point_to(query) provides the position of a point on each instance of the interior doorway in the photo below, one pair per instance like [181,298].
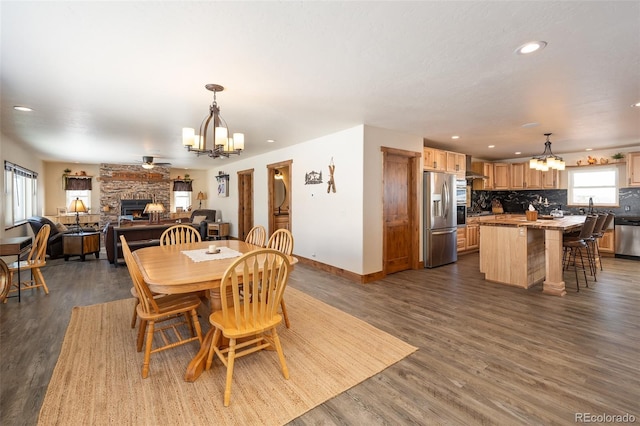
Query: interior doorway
[401,219]
[280,196]
[245,203]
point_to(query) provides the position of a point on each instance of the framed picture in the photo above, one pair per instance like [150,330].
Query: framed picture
[223,185]
[61,211]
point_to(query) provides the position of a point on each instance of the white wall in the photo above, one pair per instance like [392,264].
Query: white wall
[342,229]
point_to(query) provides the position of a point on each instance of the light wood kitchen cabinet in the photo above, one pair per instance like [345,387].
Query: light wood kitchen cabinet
[606,244]
[518,176]
[485,169]
[462,238]
[549,179]
[473,236]
[501,176]
[533,179]
[434,159]
[633,169]
[456,163]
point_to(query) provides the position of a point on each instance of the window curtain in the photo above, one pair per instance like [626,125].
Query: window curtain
[182,185]
[77,184]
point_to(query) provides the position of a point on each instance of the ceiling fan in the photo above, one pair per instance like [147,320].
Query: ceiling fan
[148,163]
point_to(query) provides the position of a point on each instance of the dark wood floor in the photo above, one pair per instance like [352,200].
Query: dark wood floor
[488,354]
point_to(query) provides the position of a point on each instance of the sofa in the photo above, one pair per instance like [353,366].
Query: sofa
[203,224]
[138,236]
[54,244]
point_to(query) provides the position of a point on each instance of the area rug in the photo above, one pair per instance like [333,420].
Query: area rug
[97,378]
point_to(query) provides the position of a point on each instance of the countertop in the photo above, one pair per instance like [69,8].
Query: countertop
[563,223]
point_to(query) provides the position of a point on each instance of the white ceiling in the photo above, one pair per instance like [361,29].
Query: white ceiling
[113,81]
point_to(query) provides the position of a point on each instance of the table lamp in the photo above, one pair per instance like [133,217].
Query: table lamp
[78,207]
[153,209]
[201,196]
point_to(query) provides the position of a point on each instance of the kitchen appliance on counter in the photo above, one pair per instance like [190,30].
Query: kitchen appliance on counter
[440,231]
[627,237]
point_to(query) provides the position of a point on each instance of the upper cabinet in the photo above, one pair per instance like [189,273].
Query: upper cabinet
[444,161]
[456,163]
[633,169]
[513,176]
[501,176]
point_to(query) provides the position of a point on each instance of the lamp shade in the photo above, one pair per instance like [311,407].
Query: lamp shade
[201,196]
[154,208]
[77,206]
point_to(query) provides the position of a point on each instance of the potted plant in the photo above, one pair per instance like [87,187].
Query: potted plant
[66,172]
[186,177]
[618,156]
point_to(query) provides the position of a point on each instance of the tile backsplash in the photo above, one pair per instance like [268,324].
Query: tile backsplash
[548,199]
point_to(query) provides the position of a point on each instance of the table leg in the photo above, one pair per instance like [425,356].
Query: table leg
[199,362]
[554,280]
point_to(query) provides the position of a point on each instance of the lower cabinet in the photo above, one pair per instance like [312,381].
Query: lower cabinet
[462,239]
[473,236]
[606,243]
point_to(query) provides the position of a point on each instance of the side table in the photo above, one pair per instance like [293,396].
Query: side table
[218,230]
[81,244]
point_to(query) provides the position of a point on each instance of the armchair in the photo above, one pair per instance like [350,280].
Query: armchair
[209,217]
[54,242]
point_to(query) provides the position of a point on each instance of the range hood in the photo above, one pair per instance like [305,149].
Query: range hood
[470,174]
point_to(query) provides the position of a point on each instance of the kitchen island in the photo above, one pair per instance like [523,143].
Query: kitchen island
[522,253]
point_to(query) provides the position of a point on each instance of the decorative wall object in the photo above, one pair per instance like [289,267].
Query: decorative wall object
[312,178]
[223,184]
[332,183]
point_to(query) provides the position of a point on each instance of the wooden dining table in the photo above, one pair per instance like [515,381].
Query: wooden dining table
[167,270]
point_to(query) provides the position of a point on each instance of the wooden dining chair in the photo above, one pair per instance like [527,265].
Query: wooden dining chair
[5,281]
[266,272]
[282,240]
[35,260]
[176,309]
[256,236]
[180,234]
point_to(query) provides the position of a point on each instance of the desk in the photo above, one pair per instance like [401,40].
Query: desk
[15,246]
[166,270]
[515,241]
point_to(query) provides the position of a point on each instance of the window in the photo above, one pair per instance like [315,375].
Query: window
[599,184]
[83,194]
[182,199]
[20,193]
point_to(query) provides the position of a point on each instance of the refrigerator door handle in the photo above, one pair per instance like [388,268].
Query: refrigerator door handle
[448,231]
[445,192]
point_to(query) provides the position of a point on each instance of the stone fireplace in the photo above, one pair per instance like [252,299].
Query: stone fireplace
[129,188]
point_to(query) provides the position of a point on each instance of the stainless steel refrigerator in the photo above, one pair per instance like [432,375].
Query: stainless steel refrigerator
[440,229]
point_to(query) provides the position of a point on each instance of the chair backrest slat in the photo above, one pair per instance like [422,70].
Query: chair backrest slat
[263,275]
[597,229]
[180,234]
[281,240]
[256,236]
[38,251]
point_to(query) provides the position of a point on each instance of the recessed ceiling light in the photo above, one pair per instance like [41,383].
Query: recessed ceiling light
[270,140]
[527,125]
[636,105]
[492,146]
[22,108]
[455,137]
[530,47]
[589,149]
[517,153]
